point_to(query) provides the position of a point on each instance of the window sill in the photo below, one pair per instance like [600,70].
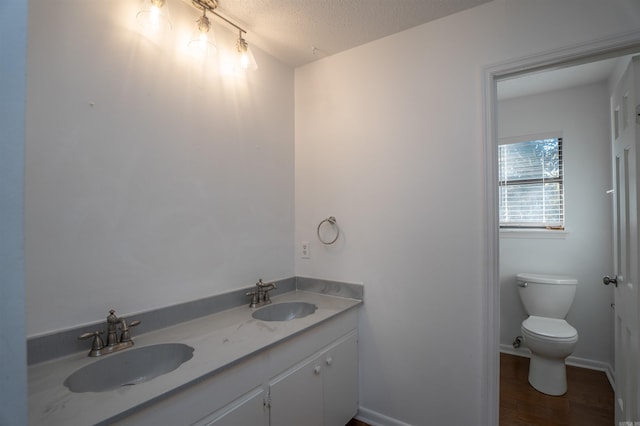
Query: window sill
[534,233]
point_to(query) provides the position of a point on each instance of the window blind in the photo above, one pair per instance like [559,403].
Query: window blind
[531,184]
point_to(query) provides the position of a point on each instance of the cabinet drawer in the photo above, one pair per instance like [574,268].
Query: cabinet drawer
[304,345]
[191,404]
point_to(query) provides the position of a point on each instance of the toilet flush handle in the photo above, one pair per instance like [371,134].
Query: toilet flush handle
[522,284]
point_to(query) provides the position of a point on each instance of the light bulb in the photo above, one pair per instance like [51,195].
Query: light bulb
[202,41]
[155,17]
[246,61]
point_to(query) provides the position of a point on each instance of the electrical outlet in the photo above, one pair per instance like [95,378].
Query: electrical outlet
[304,250]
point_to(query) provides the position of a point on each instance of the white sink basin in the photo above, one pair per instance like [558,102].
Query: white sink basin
[129,367]
[284,311]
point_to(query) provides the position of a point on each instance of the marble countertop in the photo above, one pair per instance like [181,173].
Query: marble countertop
[218,339]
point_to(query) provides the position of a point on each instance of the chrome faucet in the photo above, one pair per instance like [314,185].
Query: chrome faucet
[260,296]
[114,343]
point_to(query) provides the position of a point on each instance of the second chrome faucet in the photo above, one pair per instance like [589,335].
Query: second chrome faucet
[260,296]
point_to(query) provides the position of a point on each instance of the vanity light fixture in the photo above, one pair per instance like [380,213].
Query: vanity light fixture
[245,59]
[155,16]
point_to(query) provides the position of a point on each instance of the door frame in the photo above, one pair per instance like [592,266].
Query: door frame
[605,48]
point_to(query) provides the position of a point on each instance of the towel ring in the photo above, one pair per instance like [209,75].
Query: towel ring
[332,221]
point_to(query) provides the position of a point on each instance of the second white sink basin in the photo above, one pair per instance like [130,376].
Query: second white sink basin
[284,311]
[129,367]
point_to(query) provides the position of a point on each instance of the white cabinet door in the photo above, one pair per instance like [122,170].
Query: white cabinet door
[296,396]
[323,391]
[246,411]
[340,381]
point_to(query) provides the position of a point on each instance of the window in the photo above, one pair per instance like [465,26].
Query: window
[531,184]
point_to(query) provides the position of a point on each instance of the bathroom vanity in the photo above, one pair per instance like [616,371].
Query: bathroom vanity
[244,371]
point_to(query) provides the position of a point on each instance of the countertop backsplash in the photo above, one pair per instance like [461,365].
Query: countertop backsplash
[65,342]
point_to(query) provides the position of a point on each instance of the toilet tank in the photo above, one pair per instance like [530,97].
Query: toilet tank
[546,295]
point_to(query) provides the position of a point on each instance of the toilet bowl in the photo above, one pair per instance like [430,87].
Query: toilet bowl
[551,339]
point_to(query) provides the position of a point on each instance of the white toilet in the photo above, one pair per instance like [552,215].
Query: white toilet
[547,299]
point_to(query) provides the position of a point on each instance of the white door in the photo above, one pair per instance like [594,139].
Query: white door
[340,380]
[625,131]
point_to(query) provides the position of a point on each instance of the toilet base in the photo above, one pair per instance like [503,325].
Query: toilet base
[548,375]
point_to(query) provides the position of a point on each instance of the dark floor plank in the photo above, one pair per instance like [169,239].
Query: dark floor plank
[354,422]
[588,401]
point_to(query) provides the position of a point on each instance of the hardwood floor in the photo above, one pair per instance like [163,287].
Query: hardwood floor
[588,402]
[354,422]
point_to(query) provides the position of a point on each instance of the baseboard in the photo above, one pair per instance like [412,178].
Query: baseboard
[611,375]
[509,349]
[376,419]
[606,368]
[572,360]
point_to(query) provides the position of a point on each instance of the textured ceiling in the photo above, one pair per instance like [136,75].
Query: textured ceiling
[290,29]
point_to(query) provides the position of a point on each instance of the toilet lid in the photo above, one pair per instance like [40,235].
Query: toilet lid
[549,327]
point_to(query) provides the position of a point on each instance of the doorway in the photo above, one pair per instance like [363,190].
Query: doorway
[603,49]
[573,104]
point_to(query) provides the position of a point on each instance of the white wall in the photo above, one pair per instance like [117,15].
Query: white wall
[151,179]
[13,372]
[389,141]
[582,115]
